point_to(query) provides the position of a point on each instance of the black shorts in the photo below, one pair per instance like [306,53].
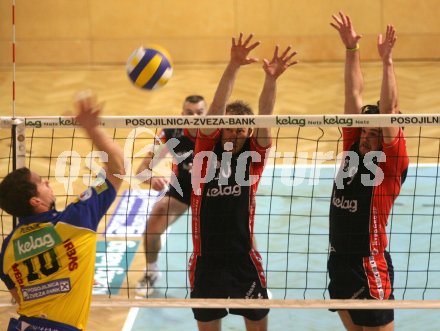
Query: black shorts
[363,278]
[186,190]
[227,279]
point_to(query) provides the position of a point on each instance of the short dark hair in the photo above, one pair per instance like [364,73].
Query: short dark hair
[239,108]
[371,109]
[374,110]
[16,190]
[194,98]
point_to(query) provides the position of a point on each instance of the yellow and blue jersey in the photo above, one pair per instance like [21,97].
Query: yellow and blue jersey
[49,258]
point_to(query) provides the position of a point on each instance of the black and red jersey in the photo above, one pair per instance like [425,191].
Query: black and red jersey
[359,210]
[223,212]
[223,208]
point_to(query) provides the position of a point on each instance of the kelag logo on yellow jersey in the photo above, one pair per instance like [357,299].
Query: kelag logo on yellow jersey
[35,243]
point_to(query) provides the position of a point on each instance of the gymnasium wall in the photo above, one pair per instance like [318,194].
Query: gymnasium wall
[199,31]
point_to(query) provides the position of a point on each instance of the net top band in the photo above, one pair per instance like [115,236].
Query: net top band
[260,121]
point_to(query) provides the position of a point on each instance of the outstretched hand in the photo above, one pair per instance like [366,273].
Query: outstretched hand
[240,50]
[88,109]
[279,63]
[386,46]
[346,30]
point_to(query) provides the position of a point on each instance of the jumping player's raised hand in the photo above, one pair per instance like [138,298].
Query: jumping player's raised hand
[342,24]
[385,46]
[240,50]
[279,63]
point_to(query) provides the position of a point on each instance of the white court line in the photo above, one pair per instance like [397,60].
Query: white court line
[131,317]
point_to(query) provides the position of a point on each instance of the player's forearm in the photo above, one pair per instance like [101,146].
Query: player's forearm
[222,94]
[388,93]
[266,105]
[224,90]
[267,97]
[115,164]
[354,82]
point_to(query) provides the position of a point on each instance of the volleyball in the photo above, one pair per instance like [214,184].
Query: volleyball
[149,67]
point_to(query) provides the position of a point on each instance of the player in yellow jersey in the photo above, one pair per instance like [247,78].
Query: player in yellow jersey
[48,260]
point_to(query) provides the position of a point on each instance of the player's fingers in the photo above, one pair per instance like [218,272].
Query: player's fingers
[265,63]
[240,37]
[343,18]
[337,19]
[248,39]
[379,39]
[275,53]
[251,60]
[292,63]
[255,44]
[291,56]
[286,51]
[335,26]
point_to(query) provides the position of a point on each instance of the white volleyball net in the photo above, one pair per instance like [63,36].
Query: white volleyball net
[292,206]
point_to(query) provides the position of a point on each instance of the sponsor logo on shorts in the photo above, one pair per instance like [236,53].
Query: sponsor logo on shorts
[250,292]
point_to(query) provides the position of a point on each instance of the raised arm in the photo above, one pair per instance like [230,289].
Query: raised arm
[240,50]
[88,110]
[273,69]
[388,93]
[354,82]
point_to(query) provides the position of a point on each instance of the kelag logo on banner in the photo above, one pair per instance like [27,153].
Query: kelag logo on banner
[113,259]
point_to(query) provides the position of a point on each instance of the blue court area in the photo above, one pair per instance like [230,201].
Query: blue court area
[292,235]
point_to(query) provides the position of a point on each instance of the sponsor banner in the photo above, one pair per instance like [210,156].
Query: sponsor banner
[355,120]
[131,214]
[53,122]
[113,259]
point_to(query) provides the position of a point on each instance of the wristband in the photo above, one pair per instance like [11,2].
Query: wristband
[354,49]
